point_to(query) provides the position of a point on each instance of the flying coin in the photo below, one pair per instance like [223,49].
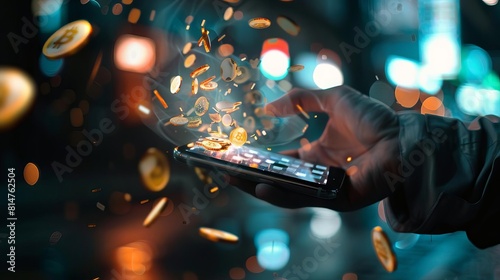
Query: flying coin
[160,98]
[208,80]
[187,47]
[189,61]
[210,145]
[228,69]
[194,86]
[216,235]
[200,70]
[215,117]
[224,105]
[210,86]
[219,134]
[238,136]
[67,40]
[227,120]
[295,68]
[155,212]
[194,122]
[288,25]
[383,249]
[228,14]
[179,121]
[223,141]
[175,84]
[259,23]
[201,106]
[154,170]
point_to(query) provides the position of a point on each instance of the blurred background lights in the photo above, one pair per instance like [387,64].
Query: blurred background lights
[50,67]
[275,59]
[272,248]
[17,93]
[406,240]
[442,54]
[402,72]
[477,101]
[490,2]
[407,97]
[327,75]
[476,64]
[325,223]
[428,81]
[134,53]
[45,7]
[304,78]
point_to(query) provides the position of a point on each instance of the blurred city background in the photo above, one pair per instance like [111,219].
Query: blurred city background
[83,217]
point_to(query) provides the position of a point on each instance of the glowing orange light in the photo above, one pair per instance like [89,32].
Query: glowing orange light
[135,53]
[407,97]
[433,106]
[134,257]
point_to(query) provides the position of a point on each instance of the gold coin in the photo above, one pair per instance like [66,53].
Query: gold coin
[194,86]
[288,25]
[237,103]
[218,134]
[224,105]
[207,80]
[155,212]
[17,93]
[216,235]
[223,141]
[187,48]
[228,14]
[210,86]
[67,40]
[175,84]
[227,120]
[160,98]
[189,61]
[210,145]
[179,121]
[31,174]
[194,122]
[215,117]
[238,136]
[200,70]
[201,106]
[259,23]
[383,249]
[295,68]
[154,170]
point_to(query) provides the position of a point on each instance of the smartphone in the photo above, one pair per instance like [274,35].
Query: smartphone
[262,166]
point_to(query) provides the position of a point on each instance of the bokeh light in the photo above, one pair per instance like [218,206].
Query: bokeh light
[382,92]
[327,75]
[135,257]
[477,101]
[273,255]
[134,53]
[402,72]
[325,223]
[433,106]
[17,93]
[407,97]
[476,64]
[50,67]
[275,59]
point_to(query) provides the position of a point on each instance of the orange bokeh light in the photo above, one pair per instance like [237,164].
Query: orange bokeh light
[433,106]
[135,53]
[407,97]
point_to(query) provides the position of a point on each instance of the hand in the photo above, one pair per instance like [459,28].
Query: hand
[359,128]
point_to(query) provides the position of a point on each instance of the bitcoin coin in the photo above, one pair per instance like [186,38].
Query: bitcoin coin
[201,106]
[207,80]
[227,120]
[215,117]
[259,23]
[383,249]
[154,170]
[237,103]
[179,121]
[31,174]
[194,86]
[155,212]
[175,84]
[238,136]
[216,235]
[210,145]
[67,40]
[189,61]
[210,86]
[228,69]
[288,25]
[205,40]
[200,70]
[224,105]
[295,68]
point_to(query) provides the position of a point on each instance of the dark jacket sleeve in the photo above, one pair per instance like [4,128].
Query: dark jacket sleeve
[448,180]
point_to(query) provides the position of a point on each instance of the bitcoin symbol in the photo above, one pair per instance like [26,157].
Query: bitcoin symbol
[68,35]
[239,136]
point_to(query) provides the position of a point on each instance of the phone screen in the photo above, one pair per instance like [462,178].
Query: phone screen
[265,161]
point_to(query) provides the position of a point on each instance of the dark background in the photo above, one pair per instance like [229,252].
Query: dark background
[179,252]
